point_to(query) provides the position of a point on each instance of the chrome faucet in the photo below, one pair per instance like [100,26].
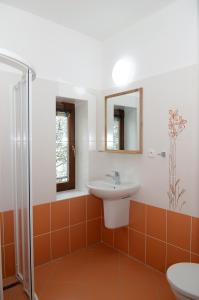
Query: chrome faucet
[115,177]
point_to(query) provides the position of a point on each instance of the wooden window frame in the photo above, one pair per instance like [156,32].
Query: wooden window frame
[68,108]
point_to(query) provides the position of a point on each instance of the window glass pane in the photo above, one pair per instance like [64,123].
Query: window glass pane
[62,147]
[116,134]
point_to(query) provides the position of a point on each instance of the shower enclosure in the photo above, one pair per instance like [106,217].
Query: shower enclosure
[20,184]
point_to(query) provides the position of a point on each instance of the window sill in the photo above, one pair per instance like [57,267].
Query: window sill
[70,194]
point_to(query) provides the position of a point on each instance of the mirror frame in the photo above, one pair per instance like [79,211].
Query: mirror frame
[140,150]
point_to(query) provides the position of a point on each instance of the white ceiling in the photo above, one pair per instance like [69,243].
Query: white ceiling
[97,18]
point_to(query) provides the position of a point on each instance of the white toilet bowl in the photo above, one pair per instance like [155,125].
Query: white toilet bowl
[184,280]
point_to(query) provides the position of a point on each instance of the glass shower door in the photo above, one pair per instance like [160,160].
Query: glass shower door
[22,193]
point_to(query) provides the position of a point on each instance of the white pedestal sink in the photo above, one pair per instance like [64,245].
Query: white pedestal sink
[116,201]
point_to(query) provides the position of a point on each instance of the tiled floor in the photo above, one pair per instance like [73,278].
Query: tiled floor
[99,273]
[15,293]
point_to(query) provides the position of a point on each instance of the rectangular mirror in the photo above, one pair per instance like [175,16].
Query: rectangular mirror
[123,122]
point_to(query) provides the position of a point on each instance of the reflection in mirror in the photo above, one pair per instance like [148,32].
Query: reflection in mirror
[124,122]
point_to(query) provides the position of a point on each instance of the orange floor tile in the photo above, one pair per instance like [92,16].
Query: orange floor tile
[96,273]
[99,273]
[15,293]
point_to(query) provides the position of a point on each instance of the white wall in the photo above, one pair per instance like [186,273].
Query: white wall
[177,89]
[57,53]
[44,136]
[165,41]
[43,140]
[81,145]
[44,111]
[164,48]
[67,64]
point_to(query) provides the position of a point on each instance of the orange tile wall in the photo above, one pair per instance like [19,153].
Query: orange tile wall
[155,236]
[7,243]
[60,227]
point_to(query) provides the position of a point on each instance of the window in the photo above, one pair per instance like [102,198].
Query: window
[65,146]
[118,129]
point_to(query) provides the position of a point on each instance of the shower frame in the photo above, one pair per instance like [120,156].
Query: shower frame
[26,277]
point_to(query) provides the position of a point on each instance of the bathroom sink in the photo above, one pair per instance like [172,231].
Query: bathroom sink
[110,191]
[116,201]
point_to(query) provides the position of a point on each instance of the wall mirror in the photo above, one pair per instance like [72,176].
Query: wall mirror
[123,122]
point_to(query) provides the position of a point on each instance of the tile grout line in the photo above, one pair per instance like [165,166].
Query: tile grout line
[128,240]
[166,255]
[3,262]
[190,246]
[101,230]
[83,222]
[2,229]
[185,250]
[101,212]
[145,234]
[51,252]
[69,226]
[196,254]
[86,198]
[91,220]
[133,258]
[7,245]
[62,228]
[164,242]
[129,228]
[140,232]
[4,254]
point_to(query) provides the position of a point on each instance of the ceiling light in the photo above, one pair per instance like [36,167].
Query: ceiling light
[123,72]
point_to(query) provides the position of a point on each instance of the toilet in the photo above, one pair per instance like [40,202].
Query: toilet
[184,280]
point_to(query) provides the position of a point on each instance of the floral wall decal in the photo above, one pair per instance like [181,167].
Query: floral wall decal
[176,125]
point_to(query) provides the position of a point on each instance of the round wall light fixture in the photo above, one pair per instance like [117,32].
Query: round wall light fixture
[123,72]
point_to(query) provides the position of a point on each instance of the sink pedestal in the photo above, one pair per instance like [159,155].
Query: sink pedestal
[116,212]
[116,200]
